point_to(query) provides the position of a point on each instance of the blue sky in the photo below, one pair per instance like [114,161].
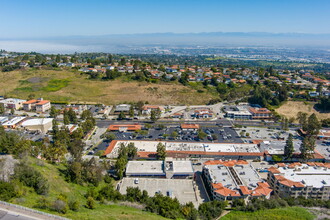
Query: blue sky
[44,18]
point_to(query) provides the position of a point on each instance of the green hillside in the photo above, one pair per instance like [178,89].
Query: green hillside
[59,186]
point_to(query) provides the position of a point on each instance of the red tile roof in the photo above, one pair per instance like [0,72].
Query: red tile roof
[42,102]
[229,163]
[30,101]
[245,190]
[260,110]
[224,191]
[128,127]
[190,126]
[273,170]
[110,147]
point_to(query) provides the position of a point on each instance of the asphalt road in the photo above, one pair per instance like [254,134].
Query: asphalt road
[106,123]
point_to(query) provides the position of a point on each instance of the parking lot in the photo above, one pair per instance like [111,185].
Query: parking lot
[261,133]
[323,147]
[214,134]
[182,189]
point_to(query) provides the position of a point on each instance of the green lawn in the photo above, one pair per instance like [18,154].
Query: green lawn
[290,213]
[58,186]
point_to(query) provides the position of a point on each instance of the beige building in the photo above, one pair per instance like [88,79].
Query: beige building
[311,180]
[40,124]
[11,103]
[37,105]
[234,179]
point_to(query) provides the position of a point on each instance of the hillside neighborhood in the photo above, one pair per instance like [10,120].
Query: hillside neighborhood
[236,149]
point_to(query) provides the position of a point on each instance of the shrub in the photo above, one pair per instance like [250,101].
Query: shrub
[74,205]
[7,191]
[90,203]
[60,206]
[29,176]
[42,203]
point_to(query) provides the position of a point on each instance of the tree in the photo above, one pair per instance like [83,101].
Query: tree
[110,136]
[120,166]
[288,148]
[155,115]
[319,88]
[285,123]
[131,150]
[313,125]
[139,106]
[121,116]
[161,151]
[211,210]
[201,134]
[72,116]
[86,114]
[53,112]
[58,58]
[302,118]
[66,119]
[174,134]
[110,57]
[131,111]
[74,172]
[12,111]
[307,147]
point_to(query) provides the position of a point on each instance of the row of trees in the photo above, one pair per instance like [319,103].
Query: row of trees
[162,205]
[275,202]
[310,128]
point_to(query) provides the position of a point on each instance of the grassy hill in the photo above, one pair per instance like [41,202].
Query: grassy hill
[291,108]
[73,191]
[290,213]
[70,85]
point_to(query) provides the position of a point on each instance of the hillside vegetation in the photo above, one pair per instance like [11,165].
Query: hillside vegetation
[71,86]
[58,186]
[290,213]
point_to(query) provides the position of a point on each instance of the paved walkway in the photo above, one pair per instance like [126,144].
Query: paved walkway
[10,212]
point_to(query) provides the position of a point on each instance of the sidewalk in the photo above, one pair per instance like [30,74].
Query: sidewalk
[24,213]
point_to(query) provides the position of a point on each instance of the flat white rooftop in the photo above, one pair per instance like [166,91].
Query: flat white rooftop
[151,146]
[3,119]
[239,113]
[308,175]
[37,121]
[246,174]
[182,167]
[146,167]
[13,121]
[12,101]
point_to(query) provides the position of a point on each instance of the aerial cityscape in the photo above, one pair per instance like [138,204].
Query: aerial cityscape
[194,110]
